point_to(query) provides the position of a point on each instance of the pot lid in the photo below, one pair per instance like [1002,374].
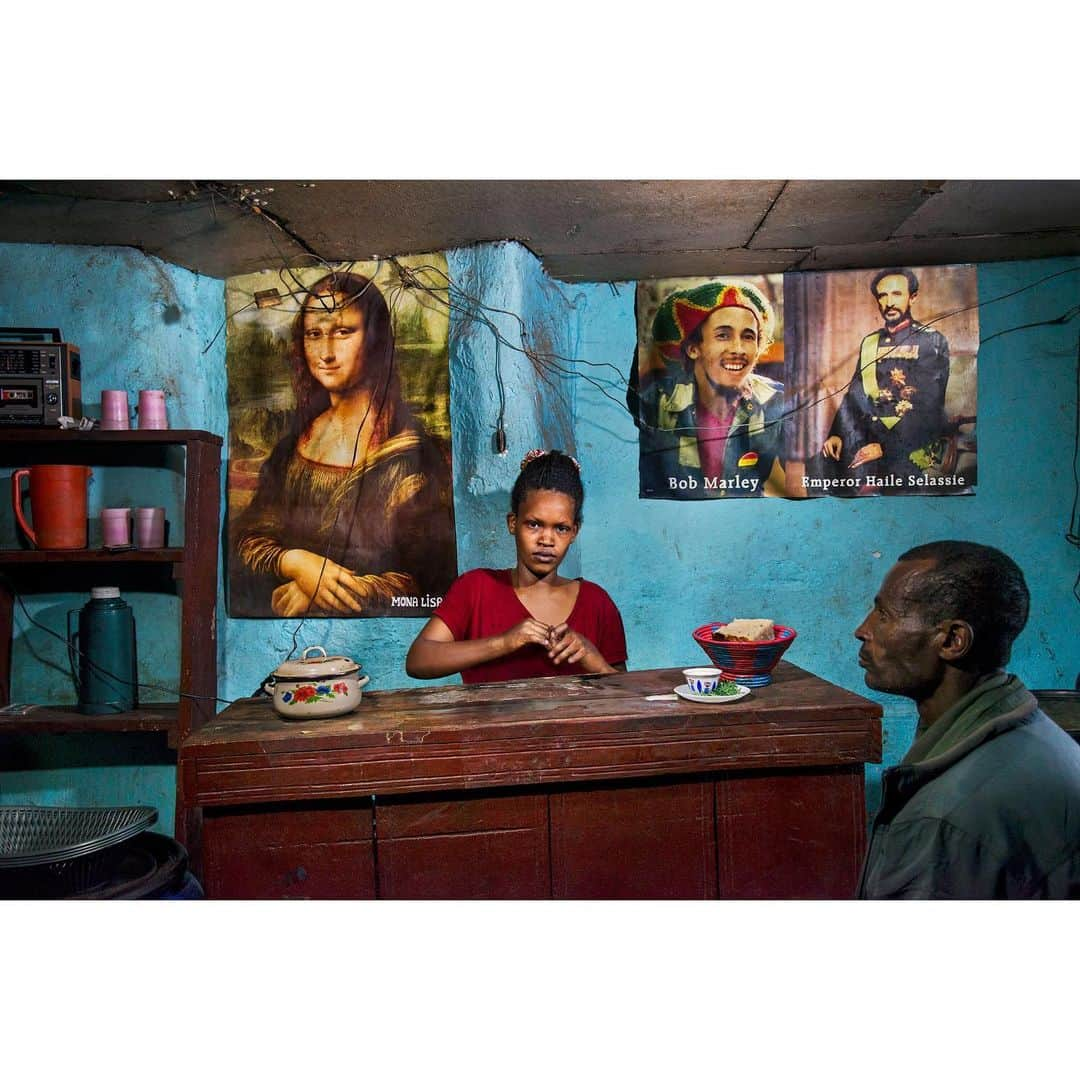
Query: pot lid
[316,667]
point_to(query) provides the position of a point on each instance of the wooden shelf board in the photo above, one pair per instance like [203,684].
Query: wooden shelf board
[52,719]
[11,556]
[175,436]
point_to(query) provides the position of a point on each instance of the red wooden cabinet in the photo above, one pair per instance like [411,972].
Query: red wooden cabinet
[575,788]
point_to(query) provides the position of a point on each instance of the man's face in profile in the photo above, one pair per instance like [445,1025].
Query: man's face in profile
[899,650]
[893,299]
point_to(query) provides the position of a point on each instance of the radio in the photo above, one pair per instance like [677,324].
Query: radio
[40,377]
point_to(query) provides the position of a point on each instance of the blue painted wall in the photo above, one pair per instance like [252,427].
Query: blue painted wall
[670,566]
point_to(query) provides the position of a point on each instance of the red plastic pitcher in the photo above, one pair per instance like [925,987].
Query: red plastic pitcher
[57,504]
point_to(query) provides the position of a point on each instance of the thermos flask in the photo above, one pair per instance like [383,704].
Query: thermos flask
[105,647]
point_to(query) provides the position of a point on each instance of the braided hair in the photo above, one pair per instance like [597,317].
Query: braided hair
[550,470]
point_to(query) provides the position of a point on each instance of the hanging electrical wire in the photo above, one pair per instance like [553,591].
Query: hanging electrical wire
[75,652]
[460,302]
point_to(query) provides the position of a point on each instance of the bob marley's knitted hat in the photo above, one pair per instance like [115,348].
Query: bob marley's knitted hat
[686,309]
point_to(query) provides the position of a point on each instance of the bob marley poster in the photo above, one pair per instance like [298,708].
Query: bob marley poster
[707,388]
[339,483]
[881,371]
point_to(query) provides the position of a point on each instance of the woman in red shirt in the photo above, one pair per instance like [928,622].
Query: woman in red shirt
[495,625]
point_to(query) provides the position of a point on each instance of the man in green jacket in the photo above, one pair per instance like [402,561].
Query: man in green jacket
[986,803]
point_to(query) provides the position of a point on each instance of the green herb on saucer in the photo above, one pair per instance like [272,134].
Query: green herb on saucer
[724,689]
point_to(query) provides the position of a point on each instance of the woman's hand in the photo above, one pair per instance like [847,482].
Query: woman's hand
[530,632]
[435,653]
[566,646]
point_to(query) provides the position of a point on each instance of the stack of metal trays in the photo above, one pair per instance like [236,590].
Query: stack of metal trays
[54,851]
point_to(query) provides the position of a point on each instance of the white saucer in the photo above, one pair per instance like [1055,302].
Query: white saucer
[684,691]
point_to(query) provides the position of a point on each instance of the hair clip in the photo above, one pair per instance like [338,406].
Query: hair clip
[532,455]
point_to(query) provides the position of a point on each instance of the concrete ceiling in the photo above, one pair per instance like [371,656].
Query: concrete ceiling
[582,230]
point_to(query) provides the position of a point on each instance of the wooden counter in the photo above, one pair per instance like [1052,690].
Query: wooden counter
[564,787]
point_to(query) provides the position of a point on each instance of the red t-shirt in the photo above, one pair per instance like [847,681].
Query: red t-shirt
[482,603]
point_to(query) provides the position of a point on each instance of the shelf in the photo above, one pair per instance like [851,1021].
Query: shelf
[189,572]
[51,446]
[95,556]
[53,719]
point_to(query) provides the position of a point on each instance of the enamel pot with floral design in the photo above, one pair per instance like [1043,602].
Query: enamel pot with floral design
[316,686]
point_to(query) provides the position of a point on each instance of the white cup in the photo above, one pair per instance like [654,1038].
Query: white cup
[702,680]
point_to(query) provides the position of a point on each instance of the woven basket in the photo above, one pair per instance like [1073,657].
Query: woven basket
[749,663]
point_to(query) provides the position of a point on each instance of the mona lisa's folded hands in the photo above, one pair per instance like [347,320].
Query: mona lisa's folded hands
[318,583]
[289,601]
[328,584]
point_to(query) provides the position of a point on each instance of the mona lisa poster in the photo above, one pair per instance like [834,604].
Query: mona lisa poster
[340,501]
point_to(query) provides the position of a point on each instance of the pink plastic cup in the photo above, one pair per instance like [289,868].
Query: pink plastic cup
[152,410]
[114,410]
[150,527]
[116,526]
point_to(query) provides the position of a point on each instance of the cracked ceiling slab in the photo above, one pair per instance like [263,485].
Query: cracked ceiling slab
[810,213]
[582,230]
